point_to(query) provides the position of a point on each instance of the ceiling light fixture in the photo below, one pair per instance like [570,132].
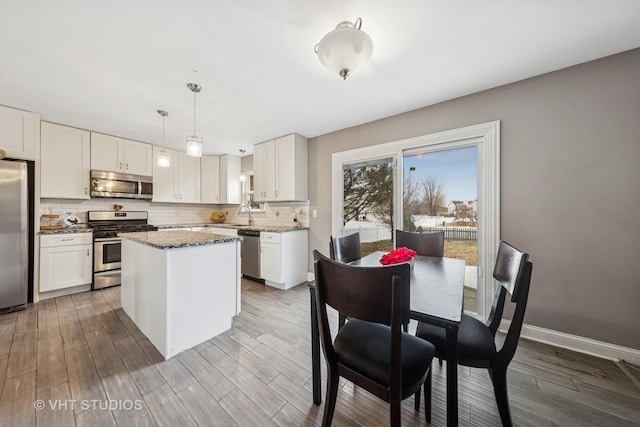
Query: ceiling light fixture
[163,159]
[345,48]
[194,142]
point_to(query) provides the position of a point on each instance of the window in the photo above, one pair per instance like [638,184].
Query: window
[367,205]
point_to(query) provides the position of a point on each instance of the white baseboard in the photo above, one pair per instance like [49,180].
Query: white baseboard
[576,343]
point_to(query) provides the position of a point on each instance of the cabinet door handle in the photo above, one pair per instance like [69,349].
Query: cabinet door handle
[67,240]
[86,190]
[120,166]
[127,166]
[87,252]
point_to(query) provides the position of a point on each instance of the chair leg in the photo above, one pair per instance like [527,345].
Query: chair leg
[416,404]
[499,380]
[330,399]
[427,397]
[341,320]
[395,410]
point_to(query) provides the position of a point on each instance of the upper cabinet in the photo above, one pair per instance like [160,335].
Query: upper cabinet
[19,133]
[210,179]
[65,162]
[112,154]
[230,179]
[179,183]
[280,169]
[264,171]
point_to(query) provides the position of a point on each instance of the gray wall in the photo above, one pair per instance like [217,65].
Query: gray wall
[570,180]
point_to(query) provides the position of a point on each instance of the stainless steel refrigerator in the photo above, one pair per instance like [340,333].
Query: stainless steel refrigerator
[14,235]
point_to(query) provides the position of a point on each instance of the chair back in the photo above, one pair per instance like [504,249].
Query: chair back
[427,244]
[508,268]
[513,272]
[363,293]
[346,248]
[509,264]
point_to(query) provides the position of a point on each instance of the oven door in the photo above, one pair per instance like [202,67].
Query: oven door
[107,254]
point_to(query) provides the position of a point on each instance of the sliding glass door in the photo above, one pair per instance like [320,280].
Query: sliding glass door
[440,193]
[449,181]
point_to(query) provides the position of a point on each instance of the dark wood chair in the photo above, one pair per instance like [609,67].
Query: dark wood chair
[345,249]
[427,244]
[370,350]
[476,340]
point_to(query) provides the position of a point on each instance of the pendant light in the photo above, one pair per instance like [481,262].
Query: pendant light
[194,142]
[163,158]
[345,48]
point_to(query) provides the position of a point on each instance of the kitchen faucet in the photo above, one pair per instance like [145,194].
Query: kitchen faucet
[245,208]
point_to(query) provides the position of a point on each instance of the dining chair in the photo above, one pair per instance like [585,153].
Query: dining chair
[345,249]
[427,244]
[477,340]
[370,350]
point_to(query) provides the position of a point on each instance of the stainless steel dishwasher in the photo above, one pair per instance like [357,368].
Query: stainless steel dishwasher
[250,253]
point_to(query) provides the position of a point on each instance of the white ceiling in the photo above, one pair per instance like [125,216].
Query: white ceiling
[108,66]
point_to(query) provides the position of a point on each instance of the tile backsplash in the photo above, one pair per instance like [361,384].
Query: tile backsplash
[276,213]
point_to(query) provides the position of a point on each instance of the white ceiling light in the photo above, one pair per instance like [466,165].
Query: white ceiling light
[345,48]
[163,159]
[194,142]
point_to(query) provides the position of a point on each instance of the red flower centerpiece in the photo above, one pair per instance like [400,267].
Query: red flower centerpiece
[398,255]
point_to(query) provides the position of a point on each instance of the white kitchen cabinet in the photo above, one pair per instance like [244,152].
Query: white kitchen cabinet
[188,178]
[180,182]
[65,260]
[65,162]
[281,169]
[283,258]
[210,179]
[230,190]
[264,157]
[113,154]
[19,133]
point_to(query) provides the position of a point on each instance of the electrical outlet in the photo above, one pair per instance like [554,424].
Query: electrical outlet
[315,213]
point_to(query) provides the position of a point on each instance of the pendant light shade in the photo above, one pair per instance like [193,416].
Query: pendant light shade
[194,142]
[163,159]
[194,146]
[345,48]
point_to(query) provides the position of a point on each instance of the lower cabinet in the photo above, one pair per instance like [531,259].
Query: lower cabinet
[283,258]
[66,260]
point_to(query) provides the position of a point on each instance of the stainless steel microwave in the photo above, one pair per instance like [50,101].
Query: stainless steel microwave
[122,185]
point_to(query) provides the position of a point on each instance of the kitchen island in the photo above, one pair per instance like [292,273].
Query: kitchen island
[180,288]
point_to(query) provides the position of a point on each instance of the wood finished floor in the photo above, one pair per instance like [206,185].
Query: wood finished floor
[84,350]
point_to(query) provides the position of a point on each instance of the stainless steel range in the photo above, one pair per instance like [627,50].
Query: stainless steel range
[107,226]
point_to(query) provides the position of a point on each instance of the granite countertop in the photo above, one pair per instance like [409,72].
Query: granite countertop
[80,229]
[177,239]
[258,227]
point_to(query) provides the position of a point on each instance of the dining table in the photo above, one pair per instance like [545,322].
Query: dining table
[437,297]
